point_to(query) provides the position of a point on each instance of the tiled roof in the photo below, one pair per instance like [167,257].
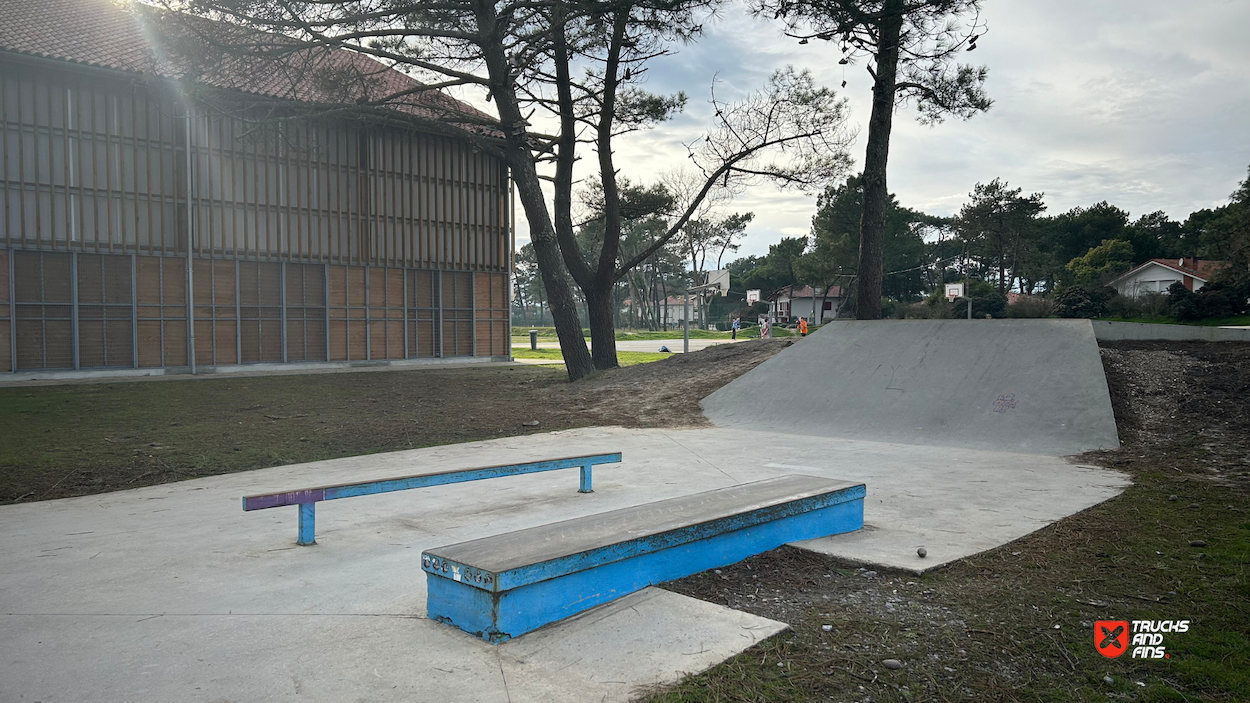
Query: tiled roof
[1198,268]
[1202,269]
[145,40]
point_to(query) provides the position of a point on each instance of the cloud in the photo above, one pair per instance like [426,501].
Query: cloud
[1142,103]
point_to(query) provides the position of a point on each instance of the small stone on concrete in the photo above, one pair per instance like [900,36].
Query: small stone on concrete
[892,664]
[530,423]
[1198,543]
[922,552]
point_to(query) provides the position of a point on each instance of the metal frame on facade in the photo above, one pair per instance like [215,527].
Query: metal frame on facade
[109,165]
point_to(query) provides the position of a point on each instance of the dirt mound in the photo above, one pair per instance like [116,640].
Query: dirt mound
[1190,400]
[663,393]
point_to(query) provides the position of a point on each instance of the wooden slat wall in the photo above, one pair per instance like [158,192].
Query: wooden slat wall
[457,313]
[105,311]
[493,331]
[96,165]
[43,294]
[305,312]
[423,313]
[311,240]
[260,312]
[349,340]
[312,192]
[131,312]
[161,297]
[216,312]
[386,313]
[87,165]
[6,318]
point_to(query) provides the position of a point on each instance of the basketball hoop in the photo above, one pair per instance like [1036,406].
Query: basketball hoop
[954,291]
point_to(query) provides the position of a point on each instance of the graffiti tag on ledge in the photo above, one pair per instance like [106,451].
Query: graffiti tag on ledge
[1005,402]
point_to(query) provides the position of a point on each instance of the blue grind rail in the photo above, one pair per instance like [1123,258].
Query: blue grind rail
[307,498]
[500,587]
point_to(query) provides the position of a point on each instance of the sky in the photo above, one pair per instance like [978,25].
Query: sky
[1142,103]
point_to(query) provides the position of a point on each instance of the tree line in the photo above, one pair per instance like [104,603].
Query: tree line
[1002,240]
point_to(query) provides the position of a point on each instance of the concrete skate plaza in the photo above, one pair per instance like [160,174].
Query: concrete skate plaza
[173,593]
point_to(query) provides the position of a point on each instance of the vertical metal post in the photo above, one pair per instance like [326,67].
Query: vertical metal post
[685,302]
[585,487]
[368,317]
[282,302]
[134,306]
[307,524]
[438,310]
[325,300]
[190,247]
[405,304]
[12,313]
[238,317]
[73,293]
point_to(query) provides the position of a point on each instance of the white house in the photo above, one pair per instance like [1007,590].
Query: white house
[672,311]
[1156,275]
[792,302]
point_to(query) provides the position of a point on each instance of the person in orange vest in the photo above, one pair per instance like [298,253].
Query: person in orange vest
[802,326]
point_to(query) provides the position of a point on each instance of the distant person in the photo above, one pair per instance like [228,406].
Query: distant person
[802,326]
[766,329]
[734,330]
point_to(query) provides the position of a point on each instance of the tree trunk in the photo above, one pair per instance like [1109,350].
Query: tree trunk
[520,161]
[560,301]
[602,331]
[876,157]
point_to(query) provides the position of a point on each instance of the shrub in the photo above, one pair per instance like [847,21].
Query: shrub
[1142,305]
[1077,301]
[914,311]
[991,305]
[1031,306]
[1216,299]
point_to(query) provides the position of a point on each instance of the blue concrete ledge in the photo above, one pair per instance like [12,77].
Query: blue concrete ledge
[500,587]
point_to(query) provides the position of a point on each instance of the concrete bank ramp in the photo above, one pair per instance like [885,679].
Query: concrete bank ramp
[1029,386]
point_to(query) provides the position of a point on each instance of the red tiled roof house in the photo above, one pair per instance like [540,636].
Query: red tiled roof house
[1156,275]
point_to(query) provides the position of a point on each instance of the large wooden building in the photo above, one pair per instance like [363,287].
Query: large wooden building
[143,232]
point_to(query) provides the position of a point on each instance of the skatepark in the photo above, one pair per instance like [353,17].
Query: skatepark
[958,430]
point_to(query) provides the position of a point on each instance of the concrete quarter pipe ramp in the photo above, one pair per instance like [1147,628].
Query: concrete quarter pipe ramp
[1028,386]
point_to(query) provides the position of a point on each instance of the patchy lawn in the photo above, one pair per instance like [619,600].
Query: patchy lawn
[1016,623]
[78,439]
[625,358]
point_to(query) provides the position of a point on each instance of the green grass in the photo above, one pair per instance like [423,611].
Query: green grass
[670,334]
[521,335]
[78,439]
[626,358]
